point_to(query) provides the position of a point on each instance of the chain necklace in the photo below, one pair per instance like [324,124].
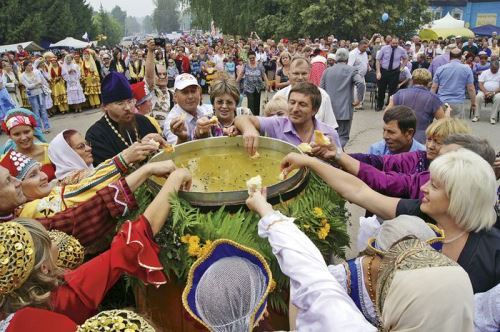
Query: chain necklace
[446,241]
[119,135]
[371,291]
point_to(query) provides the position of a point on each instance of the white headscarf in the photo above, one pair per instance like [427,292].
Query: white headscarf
[65,158]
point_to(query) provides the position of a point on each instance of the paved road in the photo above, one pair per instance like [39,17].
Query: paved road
[366,129]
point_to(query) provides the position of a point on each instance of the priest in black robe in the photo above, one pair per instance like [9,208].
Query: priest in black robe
[120,125]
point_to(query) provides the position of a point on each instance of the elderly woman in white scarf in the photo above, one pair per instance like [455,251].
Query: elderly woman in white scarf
[72,156]
[417,288]
[71,74]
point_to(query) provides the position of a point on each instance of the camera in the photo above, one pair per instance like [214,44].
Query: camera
[160,42]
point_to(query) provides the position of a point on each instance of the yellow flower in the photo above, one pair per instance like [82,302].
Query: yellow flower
[323,232]
[318,212]
[206,248]
[193,239]
[194,250]
[185,238]
[306,226]
[324,222]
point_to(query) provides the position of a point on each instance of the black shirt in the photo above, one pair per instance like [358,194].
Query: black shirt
[480,257]
[106,144]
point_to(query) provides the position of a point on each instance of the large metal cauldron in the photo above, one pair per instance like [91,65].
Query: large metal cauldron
[287,188]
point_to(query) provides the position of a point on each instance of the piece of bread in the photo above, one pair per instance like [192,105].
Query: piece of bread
[255,155]
[254,184]
[305,147]
[320,138]
[214,120]
[152,141]
[282,175]
[169,148]
[182,116]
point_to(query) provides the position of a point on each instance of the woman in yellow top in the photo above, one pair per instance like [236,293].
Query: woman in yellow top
[90,75]
[79,183]
[136,68]
[57,83]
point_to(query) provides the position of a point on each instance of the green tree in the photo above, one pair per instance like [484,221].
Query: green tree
[108,26]
[315,18]
[118,14]
[148,25]
[24,20]
[166,15]
[132,25]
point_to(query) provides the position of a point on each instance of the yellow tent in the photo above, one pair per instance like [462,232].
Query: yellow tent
[433,34]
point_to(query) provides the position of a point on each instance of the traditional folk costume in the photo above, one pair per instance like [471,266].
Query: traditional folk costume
[13,160]
[219,305]
[71,74]
[417,287]
[136,71]
[103,135]
[11,83]
[42,69]
[91,78]
[37,130]
[351,275]
[25,103]
[41,320]
[133,251]
[57,84]
[62,197]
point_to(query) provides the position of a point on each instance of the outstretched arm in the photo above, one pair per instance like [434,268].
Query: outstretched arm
[312,288]
[348,186]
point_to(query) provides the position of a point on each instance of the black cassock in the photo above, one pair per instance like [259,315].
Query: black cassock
[106,143]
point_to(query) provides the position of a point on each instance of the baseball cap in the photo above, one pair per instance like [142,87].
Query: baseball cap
[331,56]
[408,43]
[182,81]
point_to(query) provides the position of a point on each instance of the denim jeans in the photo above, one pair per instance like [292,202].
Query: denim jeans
[38,107]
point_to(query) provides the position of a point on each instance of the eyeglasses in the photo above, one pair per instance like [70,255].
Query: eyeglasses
[130,102]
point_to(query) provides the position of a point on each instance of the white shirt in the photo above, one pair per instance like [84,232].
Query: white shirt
[325,113]
[219,61]
[189,122]
[322,302]
[359,61]
[261,57]
[491,81]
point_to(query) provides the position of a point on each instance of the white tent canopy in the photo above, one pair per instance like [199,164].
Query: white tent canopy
[70,42]
[28,46]
[447,22]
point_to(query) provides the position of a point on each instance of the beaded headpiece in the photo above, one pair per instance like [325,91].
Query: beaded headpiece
[116,320]
[18,120]
[18,164]
[71,252]
[17,256]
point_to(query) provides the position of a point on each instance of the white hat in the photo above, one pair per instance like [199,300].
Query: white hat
[331,56]
[408,43]
[184,80]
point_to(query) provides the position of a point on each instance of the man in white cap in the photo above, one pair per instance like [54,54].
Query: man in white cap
[181,122]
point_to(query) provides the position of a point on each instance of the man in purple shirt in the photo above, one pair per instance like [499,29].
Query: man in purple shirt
[390,59]
[304,101]
[441,59]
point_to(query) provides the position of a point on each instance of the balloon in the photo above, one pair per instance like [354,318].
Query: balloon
[385,17]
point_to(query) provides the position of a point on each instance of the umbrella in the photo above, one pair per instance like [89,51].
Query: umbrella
[486,30]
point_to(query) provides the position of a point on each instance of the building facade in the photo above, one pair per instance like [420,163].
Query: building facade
[473,12]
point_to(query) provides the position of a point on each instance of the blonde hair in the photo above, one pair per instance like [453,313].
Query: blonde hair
[470,185]
[421,76]
[224,85]
[35,292]
[277,103]
[442,128]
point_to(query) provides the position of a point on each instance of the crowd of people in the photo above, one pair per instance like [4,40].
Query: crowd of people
[429,258]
